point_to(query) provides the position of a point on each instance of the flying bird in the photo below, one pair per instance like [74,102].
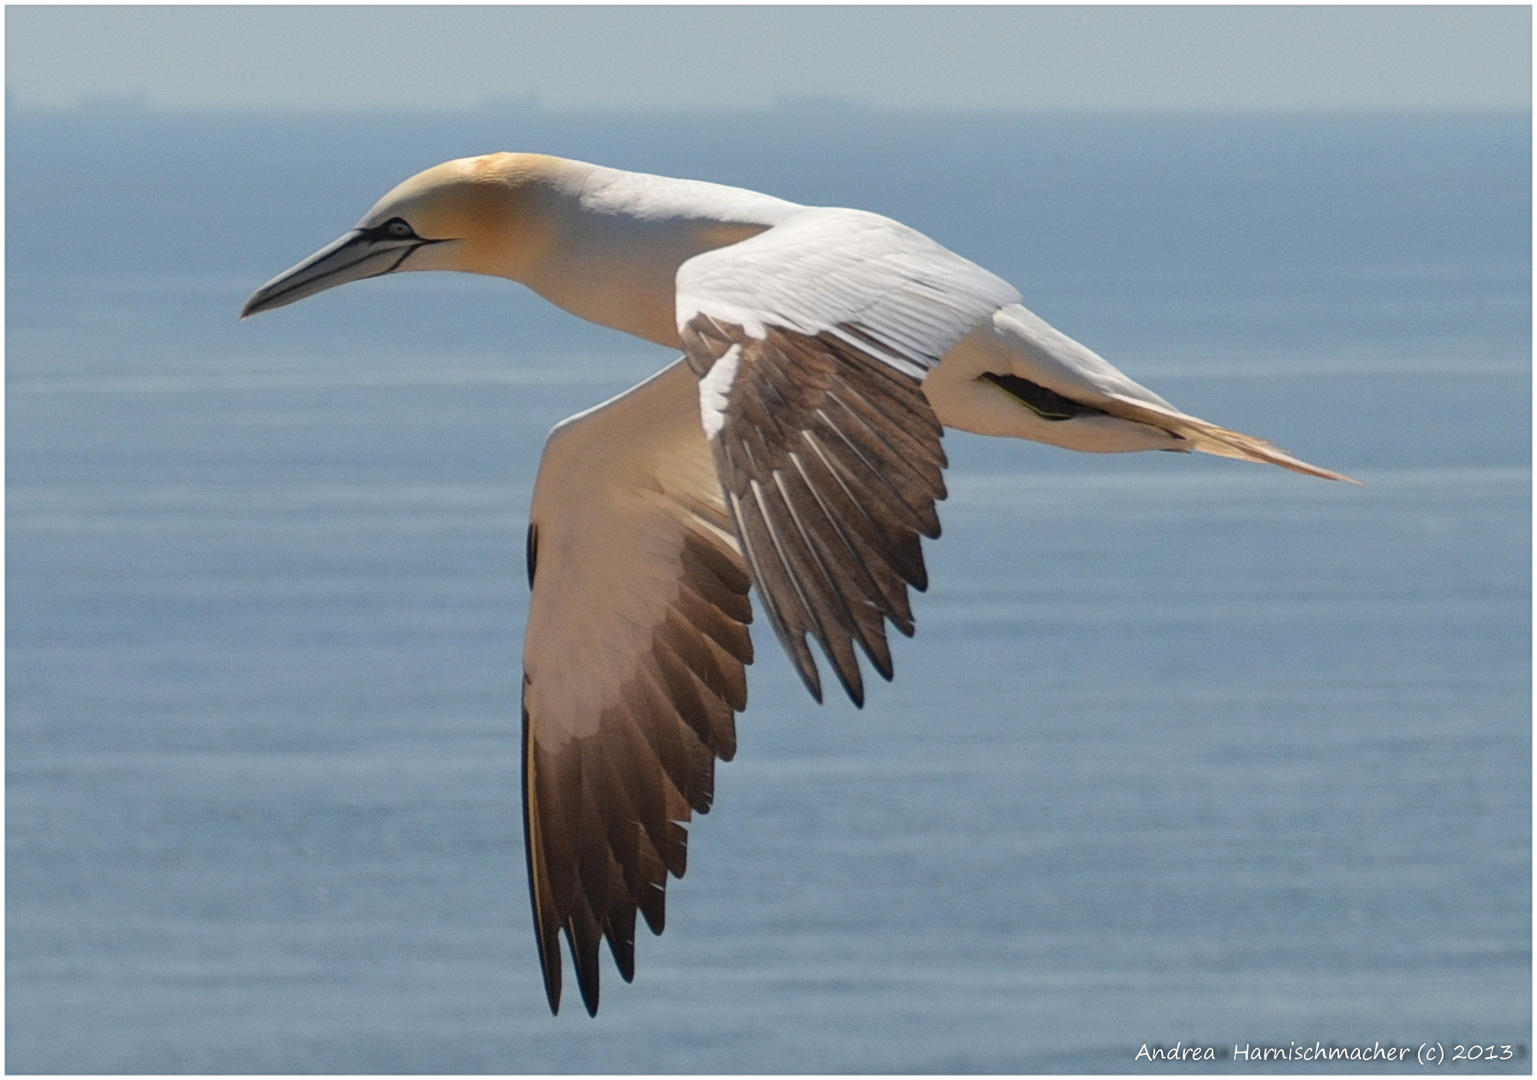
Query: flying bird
[794,448]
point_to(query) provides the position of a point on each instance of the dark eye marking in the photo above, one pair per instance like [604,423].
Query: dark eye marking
[393,229]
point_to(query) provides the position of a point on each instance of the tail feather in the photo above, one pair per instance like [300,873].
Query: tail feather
[1211,439]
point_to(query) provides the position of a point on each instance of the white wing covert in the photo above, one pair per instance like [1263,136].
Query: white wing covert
[811,341]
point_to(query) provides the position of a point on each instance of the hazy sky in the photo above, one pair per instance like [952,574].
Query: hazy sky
[669,57]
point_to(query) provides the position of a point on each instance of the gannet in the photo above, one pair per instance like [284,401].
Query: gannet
[794,448]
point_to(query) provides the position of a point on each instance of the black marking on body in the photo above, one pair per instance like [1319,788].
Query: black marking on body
[1047,404]
[533,551]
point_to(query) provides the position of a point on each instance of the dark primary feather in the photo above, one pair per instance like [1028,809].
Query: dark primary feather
[832,463]
[604,815]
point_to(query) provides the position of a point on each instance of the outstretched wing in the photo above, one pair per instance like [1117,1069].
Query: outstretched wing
[633,668]
[811,341]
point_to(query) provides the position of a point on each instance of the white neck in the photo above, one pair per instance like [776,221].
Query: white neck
[621,236]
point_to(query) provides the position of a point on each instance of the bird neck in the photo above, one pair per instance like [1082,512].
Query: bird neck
[619,238]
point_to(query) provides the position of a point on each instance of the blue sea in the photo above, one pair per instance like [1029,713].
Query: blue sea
[1186,752]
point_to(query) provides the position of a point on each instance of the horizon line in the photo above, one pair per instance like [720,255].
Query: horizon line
[529,106]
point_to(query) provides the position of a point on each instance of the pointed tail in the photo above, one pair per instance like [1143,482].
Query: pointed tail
[1211,439]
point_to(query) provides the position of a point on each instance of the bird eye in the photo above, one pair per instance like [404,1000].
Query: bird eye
[397,229]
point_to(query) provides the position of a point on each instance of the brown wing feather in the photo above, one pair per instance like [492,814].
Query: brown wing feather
[634,670]
[832,463]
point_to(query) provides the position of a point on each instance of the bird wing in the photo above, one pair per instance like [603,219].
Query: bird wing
[811,341]
[633,668]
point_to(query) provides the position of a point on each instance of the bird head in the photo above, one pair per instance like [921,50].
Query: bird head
[481,215]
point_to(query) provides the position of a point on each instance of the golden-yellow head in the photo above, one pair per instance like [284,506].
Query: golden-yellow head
[481,215]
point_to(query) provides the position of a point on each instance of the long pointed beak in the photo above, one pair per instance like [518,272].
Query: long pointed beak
[351,257]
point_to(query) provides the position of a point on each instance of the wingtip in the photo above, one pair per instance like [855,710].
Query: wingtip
[812,678]
[551,969]
[852,682]
[589,989]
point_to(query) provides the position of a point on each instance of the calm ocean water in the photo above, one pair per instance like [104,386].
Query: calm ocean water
[1184,750]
